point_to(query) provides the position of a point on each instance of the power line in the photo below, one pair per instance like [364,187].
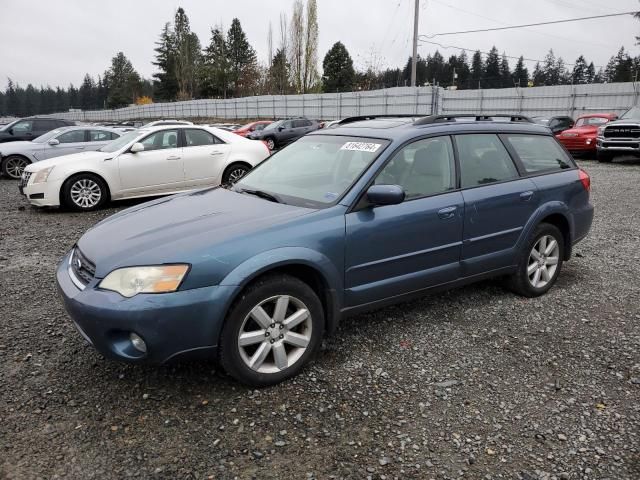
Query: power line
[529,24]
[487,53]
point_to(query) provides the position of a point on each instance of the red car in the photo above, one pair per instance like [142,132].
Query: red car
[581,138]
[252,127]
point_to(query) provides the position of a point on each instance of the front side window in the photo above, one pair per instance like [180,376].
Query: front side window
[483,160]
[23,126]
[315,171]
[74,136]
[539,152]
[422,168]
[161,140]
[196,138]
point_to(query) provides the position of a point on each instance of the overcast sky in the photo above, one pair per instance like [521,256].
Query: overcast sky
[54,43]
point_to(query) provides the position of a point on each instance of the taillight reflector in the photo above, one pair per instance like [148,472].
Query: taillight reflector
[585,180]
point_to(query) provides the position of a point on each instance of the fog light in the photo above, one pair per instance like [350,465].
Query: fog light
[589,140]
[138,342]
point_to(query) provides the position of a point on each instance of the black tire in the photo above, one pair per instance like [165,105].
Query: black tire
[13,165]
[520,282]
[76,182]
[233,173]
[262,290]
[604,157]
[271,143]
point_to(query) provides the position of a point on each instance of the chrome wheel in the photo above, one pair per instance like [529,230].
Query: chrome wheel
[271,144]
[14,166]
[543,261]
[275,334]
[236,174]
[85,193]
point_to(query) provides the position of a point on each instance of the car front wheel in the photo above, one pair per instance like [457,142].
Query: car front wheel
[14,165]
[271,143]
[272,331]
[84,192]
[540,262]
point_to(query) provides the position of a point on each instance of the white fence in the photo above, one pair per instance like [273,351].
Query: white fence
[570,100]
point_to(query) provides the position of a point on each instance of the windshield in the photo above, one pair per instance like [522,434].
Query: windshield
[315,171]
[47,136]
[632,113]
[541,120]
[121,142]
[595,121]
[273,125]
[8,126]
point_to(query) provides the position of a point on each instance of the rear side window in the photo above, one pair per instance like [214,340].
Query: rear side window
[196,138]
[74,136]
[100,136]
[539,153]
[483,160]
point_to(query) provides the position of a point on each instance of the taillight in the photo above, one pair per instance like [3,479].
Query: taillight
[585,180]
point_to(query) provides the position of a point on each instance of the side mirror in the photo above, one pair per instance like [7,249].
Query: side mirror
[280,128]
[53,142]
[385,194]
[136,147]
[10,131]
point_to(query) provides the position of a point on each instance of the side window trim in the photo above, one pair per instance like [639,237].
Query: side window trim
[180,132]
[520,164]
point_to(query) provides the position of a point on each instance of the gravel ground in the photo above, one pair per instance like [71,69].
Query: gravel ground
[474,383]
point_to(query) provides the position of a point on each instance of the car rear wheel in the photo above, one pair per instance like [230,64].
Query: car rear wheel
[14,165]
[234,172]
[271,143]
[272,331]
[540,262]
[84,192]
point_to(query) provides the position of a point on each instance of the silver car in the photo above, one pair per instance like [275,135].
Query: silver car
[15,156]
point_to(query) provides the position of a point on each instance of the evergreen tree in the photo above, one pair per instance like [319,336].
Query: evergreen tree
[215,68]
[610,70]
[187,56]
[124,83]
[421,72]
[623,71]
[339,74]
[520,74]
[599,77]
[564,76]
[13,103]
[279,73]
[165,81]
[73,96]
[550,69]
[87,93]
[477,70]
[31,101]
[579,75]
[539,76]
[505,72]
[242,60]
[462,70]
[436,70]
[492,75]
[590,73]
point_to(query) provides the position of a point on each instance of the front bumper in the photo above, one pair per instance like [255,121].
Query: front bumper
[45,194]
[578,144]
[621,145]
[179,324]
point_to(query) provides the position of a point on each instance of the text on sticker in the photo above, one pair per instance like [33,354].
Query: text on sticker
[361,146]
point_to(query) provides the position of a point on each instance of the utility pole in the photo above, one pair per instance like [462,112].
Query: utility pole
[414,58]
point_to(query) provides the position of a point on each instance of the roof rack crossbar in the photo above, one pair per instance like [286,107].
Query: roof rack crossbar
[360,118]
[478,118]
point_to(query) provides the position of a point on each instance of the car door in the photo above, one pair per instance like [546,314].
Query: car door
[23,130]
[497,203]
[204,156]
[157,168]
[71,141]
[287,133]
[397,249]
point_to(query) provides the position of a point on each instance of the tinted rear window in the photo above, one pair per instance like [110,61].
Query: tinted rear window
[539,153]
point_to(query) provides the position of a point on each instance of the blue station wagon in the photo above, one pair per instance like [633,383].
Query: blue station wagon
[367,213]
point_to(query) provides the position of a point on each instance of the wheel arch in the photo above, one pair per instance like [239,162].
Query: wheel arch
[309,266]
[558,215]
[21,155]
[83,172]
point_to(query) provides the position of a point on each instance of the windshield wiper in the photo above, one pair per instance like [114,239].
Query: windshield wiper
[261,194]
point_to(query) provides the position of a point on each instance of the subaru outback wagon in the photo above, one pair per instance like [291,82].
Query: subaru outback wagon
[372,212]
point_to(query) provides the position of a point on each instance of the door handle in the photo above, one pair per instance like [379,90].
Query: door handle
[447,212]
[216,153]
[79,148]
[173,158]
[526,196]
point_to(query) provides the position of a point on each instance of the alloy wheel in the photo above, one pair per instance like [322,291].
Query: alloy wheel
[236,174]
[275,334]
[85,193]
[543,261]
[14,166]
[271,144]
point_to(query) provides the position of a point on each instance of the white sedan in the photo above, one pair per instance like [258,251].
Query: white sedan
[150,161]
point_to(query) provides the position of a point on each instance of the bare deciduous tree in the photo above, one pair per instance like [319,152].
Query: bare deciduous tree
[296,46]
[310,66]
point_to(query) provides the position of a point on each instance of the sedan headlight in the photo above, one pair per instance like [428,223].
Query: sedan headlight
[42,175]
[601,131]
[130,281]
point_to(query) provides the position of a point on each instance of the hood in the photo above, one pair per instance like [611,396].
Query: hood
[585,130]
[74,157]
[205,226]
[628,121]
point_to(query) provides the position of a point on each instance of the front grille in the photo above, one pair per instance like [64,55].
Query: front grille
[622,131]
[24,179]
[82,267]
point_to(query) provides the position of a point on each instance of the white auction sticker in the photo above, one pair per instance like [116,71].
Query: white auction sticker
[361,146]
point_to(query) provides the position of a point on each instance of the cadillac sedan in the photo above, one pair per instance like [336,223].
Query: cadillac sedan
[15,156]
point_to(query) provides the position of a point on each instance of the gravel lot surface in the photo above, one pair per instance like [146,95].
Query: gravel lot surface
[474,383]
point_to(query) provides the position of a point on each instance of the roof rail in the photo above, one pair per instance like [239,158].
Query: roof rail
[478,118]
[360,118]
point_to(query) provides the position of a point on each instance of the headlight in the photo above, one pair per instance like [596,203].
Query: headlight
[600,131]
[152,279]
[42,175]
